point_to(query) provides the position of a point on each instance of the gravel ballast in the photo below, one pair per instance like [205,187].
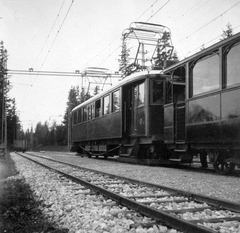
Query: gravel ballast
[71,207]
[213,185]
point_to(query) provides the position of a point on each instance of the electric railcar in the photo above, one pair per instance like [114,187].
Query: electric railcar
[190,108]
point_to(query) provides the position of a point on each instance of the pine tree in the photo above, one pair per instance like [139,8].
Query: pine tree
[96,90]
[73,100]
[7,105]
[228,32]
[202,47]
[124,60]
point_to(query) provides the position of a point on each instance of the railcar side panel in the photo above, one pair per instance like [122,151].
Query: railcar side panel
[156,122]
[169,123]
[231,116]
[138,121]
[79,132]
[203,120]
[108,126]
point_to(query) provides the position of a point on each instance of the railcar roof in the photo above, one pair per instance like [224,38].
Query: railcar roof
[128,79]
[199,54]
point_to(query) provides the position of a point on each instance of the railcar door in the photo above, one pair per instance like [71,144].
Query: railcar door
[127,107]
[134,110]
[179,96]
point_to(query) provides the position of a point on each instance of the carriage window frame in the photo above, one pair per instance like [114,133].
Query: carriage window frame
[84,114]
[79,117]
[98,106]
[152,93]
[229,66]
[75,117]
[106,105]
[139,96]
[116,107]
[90,113]
[199,86]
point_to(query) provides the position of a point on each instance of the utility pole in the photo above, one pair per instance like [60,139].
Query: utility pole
[3,144]
[5,137]
[69,129]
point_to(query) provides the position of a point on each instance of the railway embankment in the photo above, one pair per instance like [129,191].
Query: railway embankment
[65,207]
[19,210]
[213,185]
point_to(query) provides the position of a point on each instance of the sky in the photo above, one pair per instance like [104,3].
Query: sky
[69,35]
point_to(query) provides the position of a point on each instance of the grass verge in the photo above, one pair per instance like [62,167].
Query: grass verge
[18,209]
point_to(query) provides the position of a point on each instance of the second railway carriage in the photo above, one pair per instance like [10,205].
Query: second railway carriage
[128,119]
[207,120]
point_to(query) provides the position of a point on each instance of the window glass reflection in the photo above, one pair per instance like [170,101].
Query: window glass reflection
[116,101]
[233,66]
[206,75]
[106,105]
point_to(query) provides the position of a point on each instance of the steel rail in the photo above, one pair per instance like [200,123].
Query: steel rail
[232,206]
[159,216]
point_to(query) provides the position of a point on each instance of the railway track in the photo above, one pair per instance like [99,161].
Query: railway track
[195,166]
[184,211]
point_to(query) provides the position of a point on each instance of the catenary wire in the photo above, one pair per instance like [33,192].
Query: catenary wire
[209,22]
[48,36]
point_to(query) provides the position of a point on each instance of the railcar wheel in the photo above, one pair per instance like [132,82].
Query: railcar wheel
[222,166]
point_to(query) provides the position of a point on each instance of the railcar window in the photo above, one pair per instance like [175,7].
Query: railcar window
[141,94]
[75,117]
[206,75]
[85,114]
[233,66]
[106,105]
[89,112]
[79,120]
[116,101]
[157,92]
[98,108]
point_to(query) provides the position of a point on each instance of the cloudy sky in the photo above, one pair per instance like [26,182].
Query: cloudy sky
[69,35]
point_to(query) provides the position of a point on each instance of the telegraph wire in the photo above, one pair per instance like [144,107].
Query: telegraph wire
[112,41]
[146,10]
[209,41]
[54,39]
[136,20]
[185,13]
[209,22]
[49,33]
[51,46]
[117,38]
[57,33]
[110,54]
[159,10]
[192,22]
[25,94]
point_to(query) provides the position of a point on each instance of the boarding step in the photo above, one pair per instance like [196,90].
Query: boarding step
[181,142]
[175,160]
[130,149]
[128,145]
[181,156]
[124,155]
[180,150]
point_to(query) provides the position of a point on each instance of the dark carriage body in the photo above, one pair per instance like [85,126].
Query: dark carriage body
[126,120]
[207,122]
